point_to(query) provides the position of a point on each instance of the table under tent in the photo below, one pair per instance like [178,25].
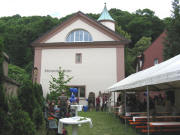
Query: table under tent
[161,77]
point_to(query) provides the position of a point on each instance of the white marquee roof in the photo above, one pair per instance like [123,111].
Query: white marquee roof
[161,76]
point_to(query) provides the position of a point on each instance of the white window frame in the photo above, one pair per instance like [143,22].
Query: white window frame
[71,37]
[76,58]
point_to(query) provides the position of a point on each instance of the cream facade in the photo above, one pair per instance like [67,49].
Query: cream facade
[101,60]
[96,72]
[96,34]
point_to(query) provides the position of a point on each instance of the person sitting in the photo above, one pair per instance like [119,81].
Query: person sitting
[51,107]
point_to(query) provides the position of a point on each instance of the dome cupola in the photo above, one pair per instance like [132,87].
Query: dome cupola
[106,19]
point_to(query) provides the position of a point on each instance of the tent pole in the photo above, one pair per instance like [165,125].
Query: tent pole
[147,109]
[125,107]
[114,98]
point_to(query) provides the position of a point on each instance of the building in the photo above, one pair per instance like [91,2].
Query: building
[88,50]
[152,55]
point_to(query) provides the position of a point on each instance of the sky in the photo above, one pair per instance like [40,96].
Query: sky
[61,8]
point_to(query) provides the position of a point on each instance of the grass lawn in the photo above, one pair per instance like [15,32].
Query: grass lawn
[103,124]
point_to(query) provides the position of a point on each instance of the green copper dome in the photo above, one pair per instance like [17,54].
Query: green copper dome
[105,15]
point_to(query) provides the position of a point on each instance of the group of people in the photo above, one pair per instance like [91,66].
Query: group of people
[101,103]
[157,103]
[61,109]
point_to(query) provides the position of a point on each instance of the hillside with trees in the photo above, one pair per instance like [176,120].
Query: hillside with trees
[142,28]
[23,115]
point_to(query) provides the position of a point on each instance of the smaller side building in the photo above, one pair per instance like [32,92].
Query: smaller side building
[152,55]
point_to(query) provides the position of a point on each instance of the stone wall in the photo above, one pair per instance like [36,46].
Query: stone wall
[10,85]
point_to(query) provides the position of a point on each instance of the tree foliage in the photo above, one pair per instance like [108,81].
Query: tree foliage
[141,45]
[17,73]
[20,120]
[4,120]
[172,43]
[19,32]
[31,98]
[59,84]
[1,60]
[142,23]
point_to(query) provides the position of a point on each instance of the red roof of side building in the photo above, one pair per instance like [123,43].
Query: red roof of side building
[155,51]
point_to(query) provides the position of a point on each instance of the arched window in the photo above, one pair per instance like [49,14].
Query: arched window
[79,36]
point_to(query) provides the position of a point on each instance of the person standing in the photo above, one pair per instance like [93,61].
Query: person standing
[63,105]
[97,103]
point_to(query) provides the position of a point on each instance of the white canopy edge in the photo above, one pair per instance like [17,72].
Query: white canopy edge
[165,72]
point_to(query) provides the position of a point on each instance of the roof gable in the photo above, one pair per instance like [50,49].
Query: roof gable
[85,18]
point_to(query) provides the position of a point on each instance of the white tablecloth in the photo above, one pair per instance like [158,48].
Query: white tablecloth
[164,123]
[78,107]
[73,121]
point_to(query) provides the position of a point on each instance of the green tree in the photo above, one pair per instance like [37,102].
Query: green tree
[17,73]
[26,96]
[5,125]
[38,110]
[20,120]
[31,99]
[141,45]
[4,118]
[19,32]
[172,43]
[145,11]
[145,24]
[129,61]
[1,60]
[59,84]
[123,33]
[131,54]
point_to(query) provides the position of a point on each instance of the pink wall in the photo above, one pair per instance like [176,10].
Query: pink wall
[155,51]
[120,63]
[37,61]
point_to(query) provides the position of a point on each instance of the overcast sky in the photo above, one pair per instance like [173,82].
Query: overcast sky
[60,8]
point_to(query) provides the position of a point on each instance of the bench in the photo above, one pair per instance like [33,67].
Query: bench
[137,123]
[140,127]
[143,120]
[159,130]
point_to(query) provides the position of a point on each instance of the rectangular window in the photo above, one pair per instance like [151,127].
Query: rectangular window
[156,61]
[81,91]
[78,59]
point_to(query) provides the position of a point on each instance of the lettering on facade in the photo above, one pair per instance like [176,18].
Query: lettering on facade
[56,70]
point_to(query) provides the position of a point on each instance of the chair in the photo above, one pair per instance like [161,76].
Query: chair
[51,123]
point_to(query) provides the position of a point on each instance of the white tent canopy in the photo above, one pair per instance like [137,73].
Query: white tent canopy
[163,75]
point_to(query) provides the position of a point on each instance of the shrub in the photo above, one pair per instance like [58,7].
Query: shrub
[38,92]
[27,98]
[38,117]
[17,73]
[31,99]
[4,119]
[22,123]
[5,125]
